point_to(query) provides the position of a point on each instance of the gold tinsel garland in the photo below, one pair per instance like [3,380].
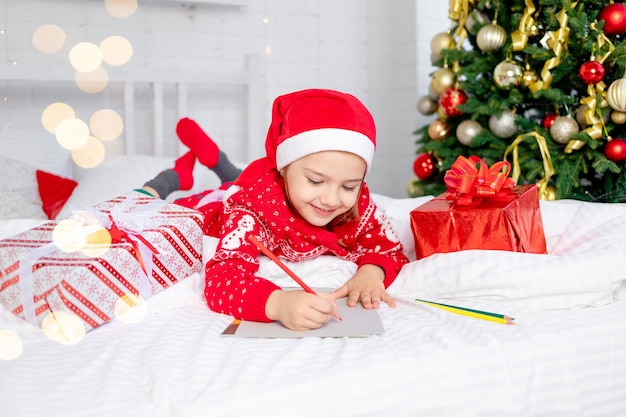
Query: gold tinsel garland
[527,24]
[595,100]
[557,41]
[545,193]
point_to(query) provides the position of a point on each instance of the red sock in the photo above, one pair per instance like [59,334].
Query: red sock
[184,169]
[192,135]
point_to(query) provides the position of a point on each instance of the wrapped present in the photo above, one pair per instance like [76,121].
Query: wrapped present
[120,251]
[481,209]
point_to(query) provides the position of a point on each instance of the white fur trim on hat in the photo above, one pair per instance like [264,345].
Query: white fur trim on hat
[325,139]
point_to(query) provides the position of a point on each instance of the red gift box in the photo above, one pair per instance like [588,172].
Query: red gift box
[479,215]
[125,249]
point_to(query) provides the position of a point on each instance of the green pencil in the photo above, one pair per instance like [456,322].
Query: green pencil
[486,313]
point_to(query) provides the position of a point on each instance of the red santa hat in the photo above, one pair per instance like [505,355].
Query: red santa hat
[315,120]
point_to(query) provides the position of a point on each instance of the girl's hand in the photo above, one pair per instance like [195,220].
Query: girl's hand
[367,287]
[299,310]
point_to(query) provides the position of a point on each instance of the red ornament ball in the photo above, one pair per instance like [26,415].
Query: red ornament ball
[614,16]
[615,150]
[450,99]
[424,166]
[549,119]
[591,72]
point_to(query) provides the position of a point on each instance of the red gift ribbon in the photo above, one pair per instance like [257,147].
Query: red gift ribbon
[118,236]
[469,180]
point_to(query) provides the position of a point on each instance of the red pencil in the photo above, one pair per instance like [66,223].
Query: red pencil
[289,272]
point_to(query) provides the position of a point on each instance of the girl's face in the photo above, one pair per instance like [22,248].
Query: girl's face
[324,185]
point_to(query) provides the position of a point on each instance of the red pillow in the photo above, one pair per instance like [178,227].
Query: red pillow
[54,192]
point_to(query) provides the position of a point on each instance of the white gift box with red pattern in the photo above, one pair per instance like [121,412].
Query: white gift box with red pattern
[153,245]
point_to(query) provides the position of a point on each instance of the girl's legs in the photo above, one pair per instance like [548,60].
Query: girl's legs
[207,151]
[170,180]
[181,176]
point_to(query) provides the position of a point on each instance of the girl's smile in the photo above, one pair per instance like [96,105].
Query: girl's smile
[324,185]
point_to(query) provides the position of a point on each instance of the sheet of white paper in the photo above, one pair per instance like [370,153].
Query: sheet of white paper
[356,322]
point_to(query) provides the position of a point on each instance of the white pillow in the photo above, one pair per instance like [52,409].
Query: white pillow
[398,212]
[120,174]
[19,192]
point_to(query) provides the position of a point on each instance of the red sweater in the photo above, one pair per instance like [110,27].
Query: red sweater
[261,208]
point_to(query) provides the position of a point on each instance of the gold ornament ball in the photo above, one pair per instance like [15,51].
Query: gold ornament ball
[616,95]
[415,188]
[440,42]
[529,77]
[438,130]
[504,126]
[441,113]
[550,193]
[442,79]
[491,37]
[534,30]
[563,128]
[580,115]
[467,130]
[507,74]
[426,105]
[618,117]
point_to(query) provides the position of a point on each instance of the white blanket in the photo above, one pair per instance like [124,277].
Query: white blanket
[562,359]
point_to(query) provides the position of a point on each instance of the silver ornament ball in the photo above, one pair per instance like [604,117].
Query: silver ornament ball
[475,21]
[491,37]
[616,95]
[426,105]
[563,128]
[467,130]
[503,126]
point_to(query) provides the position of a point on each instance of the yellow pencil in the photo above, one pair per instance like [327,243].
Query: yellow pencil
[471,313]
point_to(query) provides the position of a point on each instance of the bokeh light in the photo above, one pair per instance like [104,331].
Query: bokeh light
[130,308]
[49,39]
[68,236]
[85,56]
[116,50]
[72,133]
[63,327]
[91,155]
[54,114]
[92,82]
[82,232]
[97,241]
[106,124]
[11,346]
[121,8]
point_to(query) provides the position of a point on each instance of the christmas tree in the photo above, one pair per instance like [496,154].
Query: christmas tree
[540,84]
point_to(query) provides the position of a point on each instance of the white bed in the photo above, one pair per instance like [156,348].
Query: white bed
[563,358]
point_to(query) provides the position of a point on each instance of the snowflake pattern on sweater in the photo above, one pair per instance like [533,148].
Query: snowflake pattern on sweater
[261,208]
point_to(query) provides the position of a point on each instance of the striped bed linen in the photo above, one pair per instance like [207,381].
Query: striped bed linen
[563,358]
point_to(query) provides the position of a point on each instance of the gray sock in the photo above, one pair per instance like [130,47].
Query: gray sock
[165,183]
[225,170]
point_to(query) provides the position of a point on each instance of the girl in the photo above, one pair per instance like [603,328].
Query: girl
[307,197]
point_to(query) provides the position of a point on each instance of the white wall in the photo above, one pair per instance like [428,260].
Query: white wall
[378,50]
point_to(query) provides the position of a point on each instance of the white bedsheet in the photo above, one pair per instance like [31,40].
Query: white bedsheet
[564,358]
